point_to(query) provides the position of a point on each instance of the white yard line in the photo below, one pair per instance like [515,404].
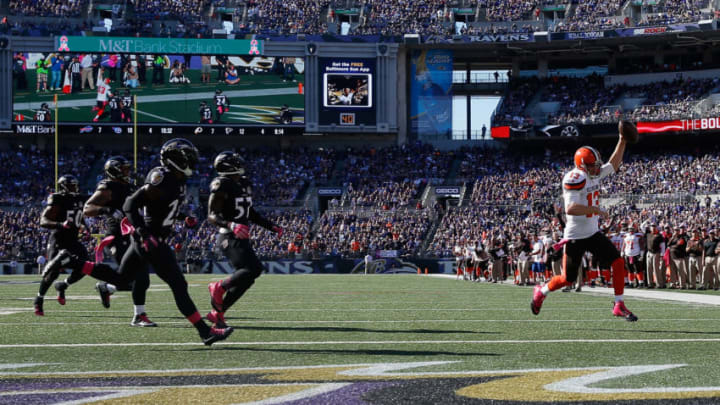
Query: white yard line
[155,116]
[89,102]
[344,322]
[358,342]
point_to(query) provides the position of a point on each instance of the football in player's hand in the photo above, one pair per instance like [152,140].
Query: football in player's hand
[628,131]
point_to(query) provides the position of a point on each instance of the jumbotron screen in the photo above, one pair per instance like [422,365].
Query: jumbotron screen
[208,91]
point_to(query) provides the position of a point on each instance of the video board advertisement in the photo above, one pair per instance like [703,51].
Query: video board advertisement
[431,91]
[160,89]
[348,89]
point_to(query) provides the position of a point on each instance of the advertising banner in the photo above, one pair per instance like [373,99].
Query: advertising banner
[431,91]
[164,46]
[348,88]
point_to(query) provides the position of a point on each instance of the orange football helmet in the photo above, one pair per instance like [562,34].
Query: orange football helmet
[587,158]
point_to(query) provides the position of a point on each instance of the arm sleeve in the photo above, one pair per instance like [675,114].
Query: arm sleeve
[606,170]
[573,196]
[132,207]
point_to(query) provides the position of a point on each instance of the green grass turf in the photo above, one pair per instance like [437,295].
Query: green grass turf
[366,308]
[181,102]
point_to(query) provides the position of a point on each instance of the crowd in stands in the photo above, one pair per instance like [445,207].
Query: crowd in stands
[47,8]
[674,12]
[506,193]
[287,17]
[355,234]
[512,110]
[516,10]
[588,100]
[581,98]
[593,15]
[26,175]
[429,18]
[391,177]
[179,9]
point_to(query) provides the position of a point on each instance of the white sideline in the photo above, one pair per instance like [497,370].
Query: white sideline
[689,298]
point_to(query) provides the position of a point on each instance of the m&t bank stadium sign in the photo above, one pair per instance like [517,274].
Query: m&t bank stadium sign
[163,46]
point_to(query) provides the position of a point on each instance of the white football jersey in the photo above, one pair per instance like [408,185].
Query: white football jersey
[617,240]
[632,244]
[579,188]
[468,251]
[538,247]
[102,91]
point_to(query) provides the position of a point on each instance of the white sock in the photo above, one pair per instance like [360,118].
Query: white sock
[139,309]
[545,290]
[111,288]
[619,298]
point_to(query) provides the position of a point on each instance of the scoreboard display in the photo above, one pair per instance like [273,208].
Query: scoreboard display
[348,91]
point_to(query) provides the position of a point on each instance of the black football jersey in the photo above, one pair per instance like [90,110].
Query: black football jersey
[205,113]
[220,100]
[238,203]
[127,101]
[42,114]
[115,103]
[70,207]
[119,193]
[160,215]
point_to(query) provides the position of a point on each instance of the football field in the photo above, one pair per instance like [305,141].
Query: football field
[354,339]
[256,100]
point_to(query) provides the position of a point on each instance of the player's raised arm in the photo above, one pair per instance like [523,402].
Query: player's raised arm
[628,134]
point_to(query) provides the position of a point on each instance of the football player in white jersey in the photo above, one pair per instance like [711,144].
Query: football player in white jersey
[103,91]
[581,195]
[632,250]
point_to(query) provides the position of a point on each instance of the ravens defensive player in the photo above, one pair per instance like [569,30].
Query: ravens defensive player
[205,113]
[222,104]
[43,114]
[230,209]
[63,216]
[152,211]
[108,200]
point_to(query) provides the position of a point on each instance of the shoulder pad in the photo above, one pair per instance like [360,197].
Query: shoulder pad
[156,176]
[54,199]
[217,184]
[103,185]
[574,180]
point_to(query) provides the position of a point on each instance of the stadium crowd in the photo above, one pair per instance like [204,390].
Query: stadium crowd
[47,8]
[391,177]
[388,214]
[372,17]
[588,100]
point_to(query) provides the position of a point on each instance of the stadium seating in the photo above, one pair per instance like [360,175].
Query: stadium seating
[587,100]
[367,17]
[505,193]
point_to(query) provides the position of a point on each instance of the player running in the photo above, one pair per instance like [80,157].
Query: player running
[230,209]
[43,114]
[127,103]
[63,216]
[152,211]
[222,104]
[205,113]
[581,195]
[103,92]
[108,200]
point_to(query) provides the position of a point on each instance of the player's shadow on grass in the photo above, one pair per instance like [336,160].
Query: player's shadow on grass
[346,329]
[354,352]
[664,331]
